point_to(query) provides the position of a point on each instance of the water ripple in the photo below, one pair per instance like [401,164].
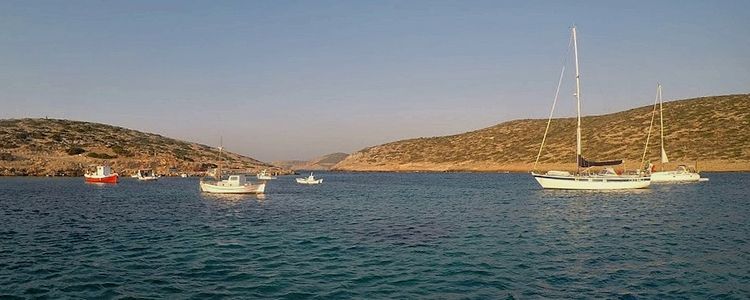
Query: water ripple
[485,236]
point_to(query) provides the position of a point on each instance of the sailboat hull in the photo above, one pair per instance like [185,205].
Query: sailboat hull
[675,176]
[572,182]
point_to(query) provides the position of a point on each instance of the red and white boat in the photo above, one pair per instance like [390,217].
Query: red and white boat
[103,174]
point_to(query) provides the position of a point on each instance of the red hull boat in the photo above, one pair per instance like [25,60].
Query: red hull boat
[103,175]
[108,179]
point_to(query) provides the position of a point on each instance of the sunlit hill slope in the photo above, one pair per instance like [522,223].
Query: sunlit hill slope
[713,131]
[43,147]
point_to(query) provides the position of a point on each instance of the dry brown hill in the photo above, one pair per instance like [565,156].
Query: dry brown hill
[712,130]
[54,147]
[325,162]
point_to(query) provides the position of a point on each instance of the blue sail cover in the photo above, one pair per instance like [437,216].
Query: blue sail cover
[583,163]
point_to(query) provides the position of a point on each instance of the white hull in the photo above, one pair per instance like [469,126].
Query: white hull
[306,181]
[147,178]
[264,175]
[592,182]
[675,176]
[209,187]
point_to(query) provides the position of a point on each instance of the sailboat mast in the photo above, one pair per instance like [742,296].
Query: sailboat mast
[578,103]
[221,157]
[661,124]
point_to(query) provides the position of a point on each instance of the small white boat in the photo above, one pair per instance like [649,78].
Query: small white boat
[309,180]
[264,175]
[184,175]
[235,184]
[146,175]
[607,179]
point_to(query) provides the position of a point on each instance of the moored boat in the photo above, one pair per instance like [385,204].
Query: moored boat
[146,175]
[235,184]
[585,179]
[683,173]
[264,175]
[607,179]
[103,174]
[309,180]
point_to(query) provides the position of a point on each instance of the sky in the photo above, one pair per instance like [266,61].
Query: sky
[281,80]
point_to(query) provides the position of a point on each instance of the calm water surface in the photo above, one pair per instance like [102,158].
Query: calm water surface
[483,236]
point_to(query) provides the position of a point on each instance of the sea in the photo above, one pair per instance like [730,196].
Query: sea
[374,236]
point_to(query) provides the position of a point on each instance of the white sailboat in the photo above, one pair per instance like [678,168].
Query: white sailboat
[607,179]
[235,184]
[683,173]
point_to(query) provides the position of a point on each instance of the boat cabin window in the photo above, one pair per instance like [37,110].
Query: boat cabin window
[234,178]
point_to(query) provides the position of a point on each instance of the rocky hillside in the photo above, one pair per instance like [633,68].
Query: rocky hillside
[325,162]
[714,131]
[42,147]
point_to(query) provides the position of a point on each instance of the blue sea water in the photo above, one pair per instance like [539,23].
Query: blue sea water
[374,235]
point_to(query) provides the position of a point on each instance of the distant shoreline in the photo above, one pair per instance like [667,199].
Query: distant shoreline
[486,167]
[382,171]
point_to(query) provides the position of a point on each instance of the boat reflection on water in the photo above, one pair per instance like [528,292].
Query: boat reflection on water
[100,184]
[547,193]
[234,198]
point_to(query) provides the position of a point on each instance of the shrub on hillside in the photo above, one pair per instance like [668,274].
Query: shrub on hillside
[75,150]
[4,156]
[22,135]
[38,135]
[100,155]
[8,145]
[119,150]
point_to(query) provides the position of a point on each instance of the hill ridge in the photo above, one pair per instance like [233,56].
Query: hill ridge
[711,130]
[325,162]
[42,146]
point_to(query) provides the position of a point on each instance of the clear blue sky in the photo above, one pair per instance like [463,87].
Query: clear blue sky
[297,79]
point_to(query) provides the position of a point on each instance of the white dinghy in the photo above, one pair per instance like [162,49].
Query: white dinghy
[607,179]
[309,180]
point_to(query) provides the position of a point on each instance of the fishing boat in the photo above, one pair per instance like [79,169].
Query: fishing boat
[103,174]
[264,175]
[586,179]
[146,175]
[683,173]
[309,180]
[234,184]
